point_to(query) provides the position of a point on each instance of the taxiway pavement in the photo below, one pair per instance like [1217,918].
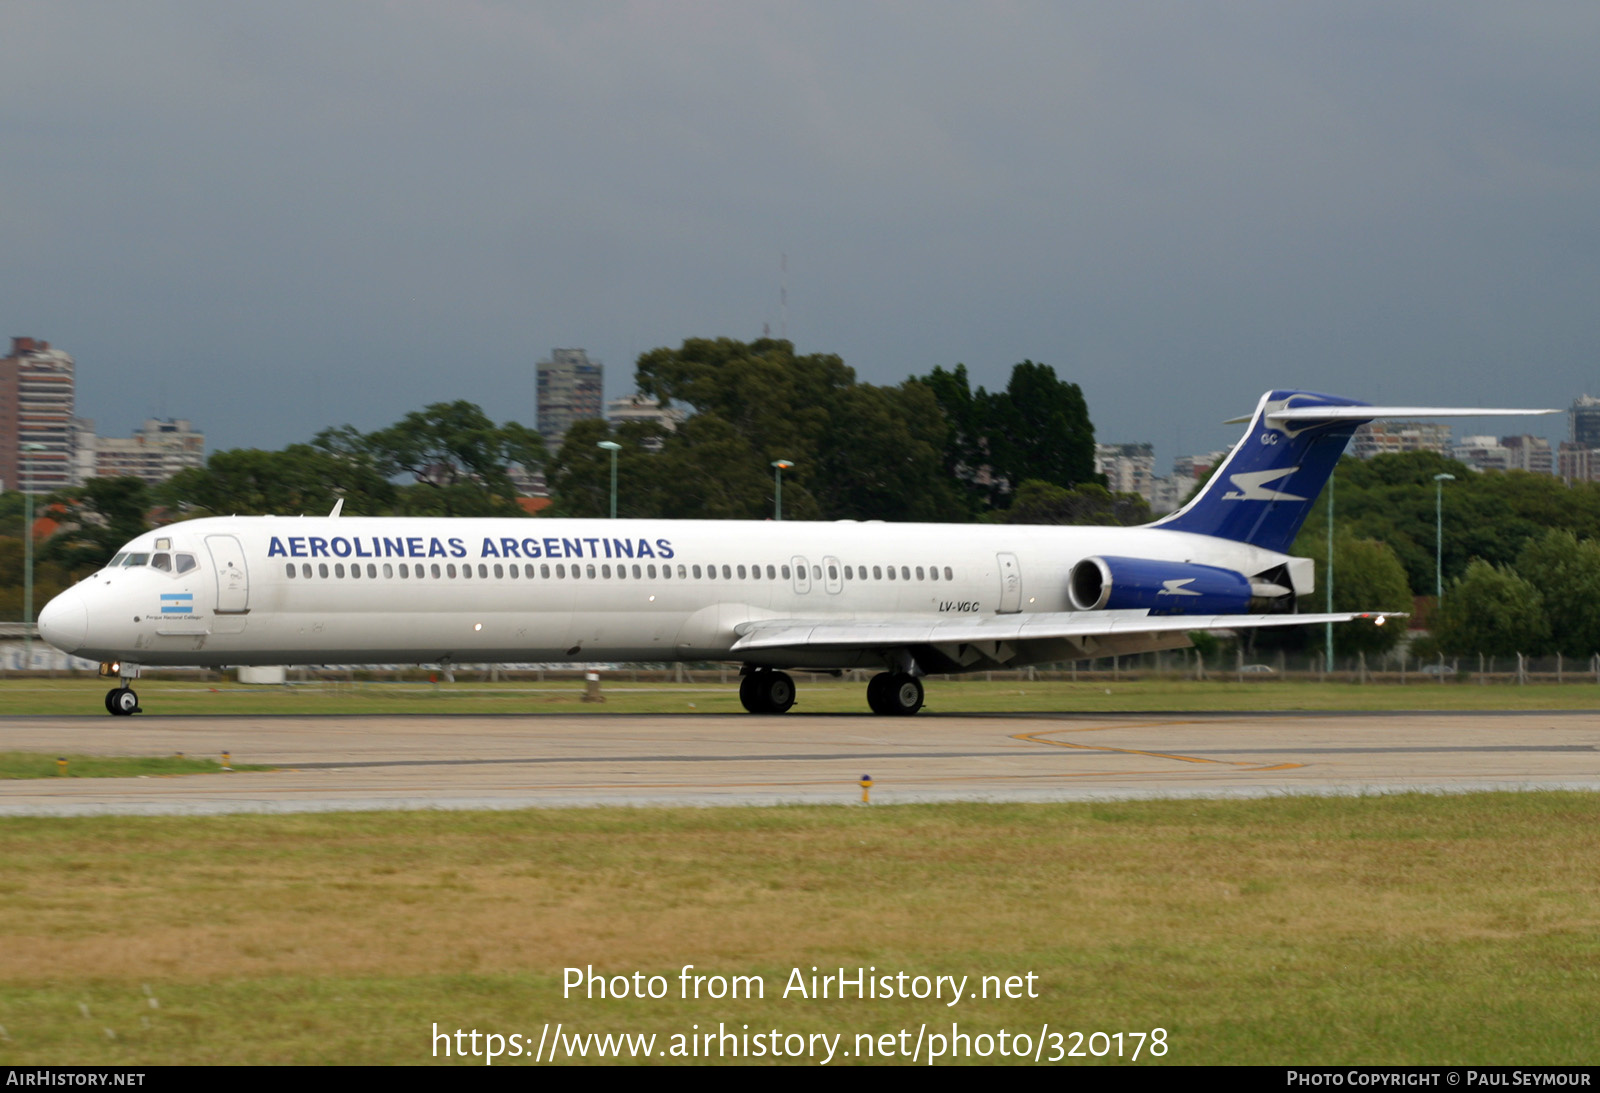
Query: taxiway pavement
[342,763]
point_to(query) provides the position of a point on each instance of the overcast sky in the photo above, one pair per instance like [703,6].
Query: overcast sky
[269,218]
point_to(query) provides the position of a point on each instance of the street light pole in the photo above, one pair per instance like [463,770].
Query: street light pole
[27,552]
[778,467]
[613,447]
[1438,533]
[1328,627]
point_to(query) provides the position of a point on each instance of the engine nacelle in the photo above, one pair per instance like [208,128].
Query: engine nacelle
[1162,588]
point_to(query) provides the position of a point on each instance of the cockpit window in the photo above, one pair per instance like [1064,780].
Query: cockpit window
[162,562]
[186,562]
[116,561]
[136,559]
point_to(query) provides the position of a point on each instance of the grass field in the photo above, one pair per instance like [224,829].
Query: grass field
[822,694]
[1404,929]
[29,764]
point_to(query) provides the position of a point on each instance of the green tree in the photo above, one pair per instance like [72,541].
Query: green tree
[459,459]
[300,479]
[1091,503]
[96,519]
[1038,428]
[1491,610]
[1566,573]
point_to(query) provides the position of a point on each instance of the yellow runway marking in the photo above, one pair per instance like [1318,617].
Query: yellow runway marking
[1043,737]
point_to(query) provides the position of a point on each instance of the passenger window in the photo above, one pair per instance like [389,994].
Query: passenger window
[500,572]
[622,572]
[682,573]
[847,573]
[905,573]
[338,569]
[388,571]
[727,573]
[697,573]
[589,567]
[833,573]
[322,570]
[652,570]
[772,574]
[920,576]
[544,570]
[889,568]
[289,569]
[605,571]
[305,570]
[637,574]
[450,568]
[483,570]
[741,573]
[434,566]
[162,562]
[816,573]
[785,571]
[355,570]
[933,573]
[527,571]
[561,570]
[947,574]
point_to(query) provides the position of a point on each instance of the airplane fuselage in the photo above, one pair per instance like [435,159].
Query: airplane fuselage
[352,590]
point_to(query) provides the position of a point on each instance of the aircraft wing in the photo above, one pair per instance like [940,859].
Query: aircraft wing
[876,634]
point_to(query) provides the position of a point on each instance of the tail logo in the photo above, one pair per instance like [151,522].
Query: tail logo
[1252,486]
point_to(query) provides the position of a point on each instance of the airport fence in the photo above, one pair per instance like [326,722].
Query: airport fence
[1228,665]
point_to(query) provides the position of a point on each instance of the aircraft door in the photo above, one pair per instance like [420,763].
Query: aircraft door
[832,576]
[1010,584]
[233,579]
[802,574]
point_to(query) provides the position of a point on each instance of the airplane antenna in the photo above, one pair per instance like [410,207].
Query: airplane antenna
[338,507]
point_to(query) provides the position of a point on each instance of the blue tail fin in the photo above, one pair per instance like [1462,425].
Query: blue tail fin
[1264,490]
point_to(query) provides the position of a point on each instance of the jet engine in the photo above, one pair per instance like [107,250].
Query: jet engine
[1162,588]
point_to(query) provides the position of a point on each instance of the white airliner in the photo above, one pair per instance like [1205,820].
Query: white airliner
[909,599]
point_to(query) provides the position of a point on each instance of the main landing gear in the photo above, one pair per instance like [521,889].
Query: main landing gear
[765,691]
[121,702]
[896,694]
[890,694]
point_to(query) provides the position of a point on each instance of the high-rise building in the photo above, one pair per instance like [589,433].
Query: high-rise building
[1385,437]
[571,388]
[155,452]
[637,407]
[36,428]
[1129,468]
[1584,421]
[1528,453]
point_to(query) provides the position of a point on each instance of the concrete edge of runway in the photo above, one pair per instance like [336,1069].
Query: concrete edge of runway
[1080,795]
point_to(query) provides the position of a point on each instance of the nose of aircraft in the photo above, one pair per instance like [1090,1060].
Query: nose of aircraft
[65,621]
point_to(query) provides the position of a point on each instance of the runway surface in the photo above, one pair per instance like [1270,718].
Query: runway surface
[424,761]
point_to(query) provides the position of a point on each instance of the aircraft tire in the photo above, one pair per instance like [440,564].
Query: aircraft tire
[903,694]
[766,691]
[122,702]
[777,691]
[750,693]
[877,696]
